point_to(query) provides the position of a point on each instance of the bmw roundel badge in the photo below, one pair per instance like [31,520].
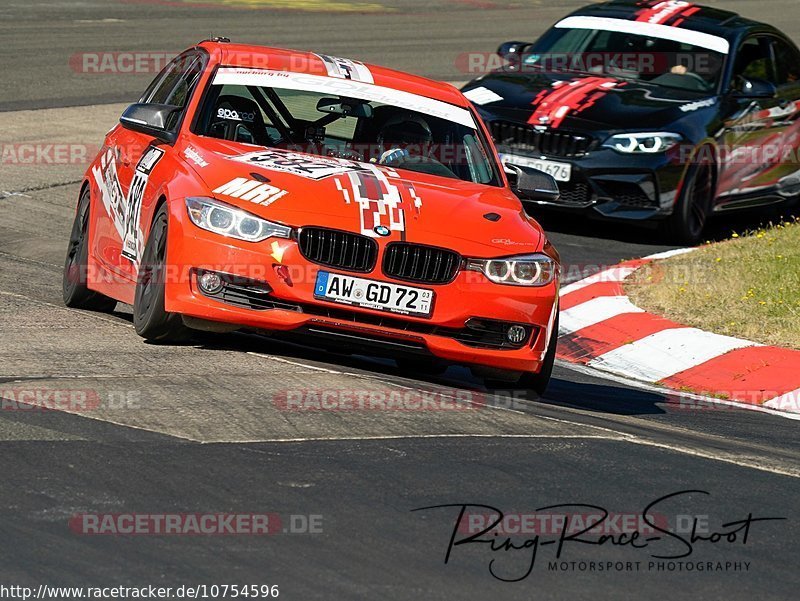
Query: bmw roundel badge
[382,230]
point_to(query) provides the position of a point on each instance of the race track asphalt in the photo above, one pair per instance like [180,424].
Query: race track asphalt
[199,427]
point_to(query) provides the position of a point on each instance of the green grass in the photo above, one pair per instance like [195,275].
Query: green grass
[748,286]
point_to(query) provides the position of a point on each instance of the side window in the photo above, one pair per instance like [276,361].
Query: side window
[787,63]
[174,85]
[754,60]
[237,116]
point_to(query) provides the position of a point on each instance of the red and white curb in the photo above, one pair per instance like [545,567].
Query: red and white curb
[601,328]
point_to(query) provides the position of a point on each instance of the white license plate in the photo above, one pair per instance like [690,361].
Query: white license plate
[373,295]
[561,172]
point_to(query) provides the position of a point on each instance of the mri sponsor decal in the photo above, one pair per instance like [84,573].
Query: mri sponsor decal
[254,191]
[300,164]
[344,68]
[133,242]
[570,97]
[381,201]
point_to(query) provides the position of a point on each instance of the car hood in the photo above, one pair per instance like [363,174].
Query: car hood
[302,190]
[582,101]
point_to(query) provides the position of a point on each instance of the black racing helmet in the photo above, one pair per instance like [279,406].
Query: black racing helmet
[405,129]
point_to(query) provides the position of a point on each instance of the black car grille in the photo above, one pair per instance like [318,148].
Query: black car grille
[417,263]
[546,142]
[248,294]
[338,249]
[488,333]
[574,193]
[628,194]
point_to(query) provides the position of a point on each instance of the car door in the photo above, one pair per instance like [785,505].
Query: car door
[127,162]
[785,174]
[753,131]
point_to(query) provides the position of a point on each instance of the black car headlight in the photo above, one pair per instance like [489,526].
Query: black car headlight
[522,270]
[225,220]
[643,142]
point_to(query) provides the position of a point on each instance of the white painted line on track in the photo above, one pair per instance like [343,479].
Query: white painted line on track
[594,311]
[666,353]
[622,437]
[706,455]
[93,314]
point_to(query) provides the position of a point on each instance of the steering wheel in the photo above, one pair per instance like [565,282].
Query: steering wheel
[399,157]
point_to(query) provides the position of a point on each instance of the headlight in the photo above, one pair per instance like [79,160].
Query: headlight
[643,143]
[223,219]
[523,270]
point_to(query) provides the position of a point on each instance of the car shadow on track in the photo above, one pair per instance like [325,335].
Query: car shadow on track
[605,397]
[584,392]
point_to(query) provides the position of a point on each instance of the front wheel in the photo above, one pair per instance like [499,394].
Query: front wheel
[539,382]
[535,382]
[150,319]
[688,220]
[75,292]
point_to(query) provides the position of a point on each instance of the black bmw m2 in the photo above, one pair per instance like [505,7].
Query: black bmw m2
[651,110]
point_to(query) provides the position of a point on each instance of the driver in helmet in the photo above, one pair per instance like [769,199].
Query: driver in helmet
[402,136]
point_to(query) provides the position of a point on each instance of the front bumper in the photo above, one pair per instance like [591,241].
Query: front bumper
[287,306]
[609,184]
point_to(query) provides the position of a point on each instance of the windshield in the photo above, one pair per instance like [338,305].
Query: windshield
[667,56]
[346,119]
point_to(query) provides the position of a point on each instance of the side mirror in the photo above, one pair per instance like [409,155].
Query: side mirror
[755,88]
[533,184]
[511,50]
[151,120]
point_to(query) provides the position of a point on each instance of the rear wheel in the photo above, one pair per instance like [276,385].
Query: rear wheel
[150,319]
[75,292]
[688,220]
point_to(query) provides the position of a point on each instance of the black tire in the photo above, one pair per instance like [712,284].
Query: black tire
[688,220]
[150,319]
[75,292]
[539,382]
[534,382]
